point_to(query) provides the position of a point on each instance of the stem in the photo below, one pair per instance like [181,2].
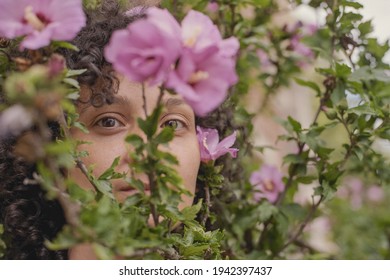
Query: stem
[144,100]
[79,163]
[207,203]
[302,225]
[153,189]
[301,147]
[70,208]
[161,95]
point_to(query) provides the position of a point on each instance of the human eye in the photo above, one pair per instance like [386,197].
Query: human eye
[108,122]
[175,124]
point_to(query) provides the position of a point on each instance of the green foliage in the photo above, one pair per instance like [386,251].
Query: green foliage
[228,222]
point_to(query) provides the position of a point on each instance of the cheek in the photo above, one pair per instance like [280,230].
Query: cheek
[101,154]
[187,152]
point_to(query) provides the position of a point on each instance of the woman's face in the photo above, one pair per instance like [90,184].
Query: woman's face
[110,124]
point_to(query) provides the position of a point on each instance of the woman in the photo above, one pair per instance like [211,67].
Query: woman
[109,106]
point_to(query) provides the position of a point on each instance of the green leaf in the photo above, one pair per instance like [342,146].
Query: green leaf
[104,187]
[81,126]
[102,252]
[293,158]
[135,140]
[295,124]
[364,109]
[266,210]
[308,84]
[353,4]
[150,125]
[110,172]
[343,71]
[190,212]
[65,45]
[166,135]
[70,81]
[74,72]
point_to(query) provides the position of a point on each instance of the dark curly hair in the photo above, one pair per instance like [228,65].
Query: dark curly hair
[28,217]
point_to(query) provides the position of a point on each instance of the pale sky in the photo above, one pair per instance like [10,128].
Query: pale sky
[378,11]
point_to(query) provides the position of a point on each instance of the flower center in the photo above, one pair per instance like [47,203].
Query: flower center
[37,21]
[190,42]
[205,143]
[269,186]
[198,76]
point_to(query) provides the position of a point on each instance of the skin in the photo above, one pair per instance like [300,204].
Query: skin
[110,124]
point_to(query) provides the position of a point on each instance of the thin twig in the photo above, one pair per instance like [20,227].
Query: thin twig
[144,100]
[303,225]
[207,203]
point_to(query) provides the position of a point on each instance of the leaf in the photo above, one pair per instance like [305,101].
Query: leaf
[342,71]
[149,126]
[70,81]
[65,45]
[110,172]
[102,252]
[166,135]
[81,126]
[135,140]
[308,84]
[364,109]
[338,93]
[353,4]
[306,179]
[293,158]
[74,72]
[266,210]
[190,212]
[295,124]
[104,187]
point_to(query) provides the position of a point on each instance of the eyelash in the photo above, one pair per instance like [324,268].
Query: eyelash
[183,124]
[107,118]
[120,124]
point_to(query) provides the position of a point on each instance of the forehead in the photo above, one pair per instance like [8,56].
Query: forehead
[133,96]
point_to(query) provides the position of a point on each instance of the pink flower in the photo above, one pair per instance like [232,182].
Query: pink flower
[212,7]
[263,58]
[211,148]
[202,84]
[268,183]
[300,48]
[40,20]
[56,65]
[206,68]
[375,194]
[147,49]
[202,37]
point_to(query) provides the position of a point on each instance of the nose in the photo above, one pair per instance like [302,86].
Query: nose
[133,142]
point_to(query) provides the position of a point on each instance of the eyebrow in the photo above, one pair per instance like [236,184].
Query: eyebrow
[121,100]
[173,102]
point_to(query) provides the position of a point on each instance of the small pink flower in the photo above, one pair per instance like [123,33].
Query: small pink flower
[267,183]
[375,194]
[263,58]
[56,65]
[40,20]
[297,46]
[211,148]
[147,50]
[212,7]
